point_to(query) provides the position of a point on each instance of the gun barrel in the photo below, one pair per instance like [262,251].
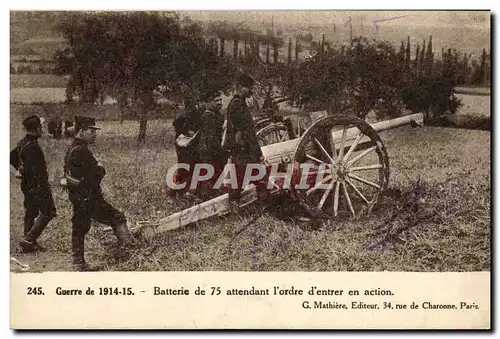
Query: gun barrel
[283,151]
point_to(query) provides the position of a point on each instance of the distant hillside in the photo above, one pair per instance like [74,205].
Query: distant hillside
[44,46]
[463,39]
[37,30]
[465,31]
[25,25]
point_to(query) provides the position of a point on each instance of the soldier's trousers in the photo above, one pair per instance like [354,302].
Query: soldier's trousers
[38,203]
[206,188]
[241,161]
[86,209]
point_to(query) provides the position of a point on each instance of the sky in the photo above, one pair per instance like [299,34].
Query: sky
[450,29]
[474,19]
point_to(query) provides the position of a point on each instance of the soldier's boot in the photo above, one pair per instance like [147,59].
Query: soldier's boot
[28,224]
[29,243]
[125,241]
[123,235]
[78,248]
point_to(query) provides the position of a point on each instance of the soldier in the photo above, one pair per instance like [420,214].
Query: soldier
[69,128]
[187,123]
[55,127]
[83,178]
[29,161]
[242,138]
[269,104]
[209,146]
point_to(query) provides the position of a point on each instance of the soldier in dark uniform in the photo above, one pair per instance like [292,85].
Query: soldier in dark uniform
[244,146]
[209,147]
[55,127]
[84,175]
[69,128]
[29,161]
[187,123]
[269,104]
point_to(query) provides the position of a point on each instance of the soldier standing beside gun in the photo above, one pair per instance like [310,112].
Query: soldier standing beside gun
[241,139]
[187,124]
[29,161]
[83,176]
[209,147]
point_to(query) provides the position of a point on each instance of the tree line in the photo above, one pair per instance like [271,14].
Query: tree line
[471,71]
[128,55]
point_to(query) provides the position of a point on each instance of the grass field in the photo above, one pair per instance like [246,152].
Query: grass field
[37,88]
[48,88]
[450,231]
[38,81]
[28,96]
[475,105]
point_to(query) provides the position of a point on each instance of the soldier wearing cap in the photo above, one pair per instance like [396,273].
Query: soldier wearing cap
[243,145]
[187,123]
[29,161]
[209,146]
[84,175]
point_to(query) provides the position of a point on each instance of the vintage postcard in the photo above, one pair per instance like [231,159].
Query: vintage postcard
[297,169]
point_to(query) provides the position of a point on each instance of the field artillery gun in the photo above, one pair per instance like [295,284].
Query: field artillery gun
[338,168]
[282,125]
[273,124]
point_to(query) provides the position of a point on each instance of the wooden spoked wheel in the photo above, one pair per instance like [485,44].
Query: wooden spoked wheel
[341,168]
[273,134]
[260,123]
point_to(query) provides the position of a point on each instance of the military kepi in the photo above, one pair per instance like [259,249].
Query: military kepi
[32,123]
[84,123]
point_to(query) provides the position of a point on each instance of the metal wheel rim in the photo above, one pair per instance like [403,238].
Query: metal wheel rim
[273,129]
[340,167]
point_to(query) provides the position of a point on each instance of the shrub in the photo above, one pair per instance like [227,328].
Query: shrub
[355,80]
[432,94]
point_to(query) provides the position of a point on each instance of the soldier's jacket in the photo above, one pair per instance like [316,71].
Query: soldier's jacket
[179,124]
[81,164]
[28,157]
[188,120]
[240,119]
[209,146]
[193,117]
[54,126]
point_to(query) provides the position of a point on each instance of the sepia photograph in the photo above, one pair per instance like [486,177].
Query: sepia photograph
[254,141]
